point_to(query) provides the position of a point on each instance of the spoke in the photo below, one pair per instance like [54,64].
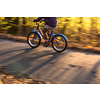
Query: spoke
[59,43]
[33,39]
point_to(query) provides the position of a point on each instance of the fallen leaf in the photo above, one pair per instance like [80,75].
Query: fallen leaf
[2,77]
[1,82]
[30,80]
[89,46]
[5,81]
[47,82]
[24,83]
[9,76]
[14,83]
[39,82]
[21,80]
[57,83]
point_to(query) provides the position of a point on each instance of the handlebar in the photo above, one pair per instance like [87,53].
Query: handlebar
[37,23]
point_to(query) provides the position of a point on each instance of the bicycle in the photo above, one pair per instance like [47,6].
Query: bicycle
[58,41]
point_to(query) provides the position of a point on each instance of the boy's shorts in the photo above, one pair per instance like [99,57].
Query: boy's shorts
[49,27]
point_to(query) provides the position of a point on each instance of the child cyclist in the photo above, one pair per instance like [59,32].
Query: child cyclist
[50,24]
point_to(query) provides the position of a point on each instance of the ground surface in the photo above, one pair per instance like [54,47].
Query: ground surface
[69,67]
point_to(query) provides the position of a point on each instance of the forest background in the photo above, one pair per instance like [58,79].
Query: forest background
[83,31]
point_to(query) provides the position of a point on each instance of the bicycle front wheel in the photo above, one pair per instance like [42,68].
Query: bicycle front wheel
[33,39]
[59,43]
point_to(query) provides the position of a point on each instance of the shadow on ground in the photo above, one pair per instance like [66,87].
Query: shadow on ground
[46,64]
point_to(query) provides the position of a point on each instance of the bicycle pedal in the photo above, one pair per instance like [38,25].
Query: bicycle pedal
[46,44]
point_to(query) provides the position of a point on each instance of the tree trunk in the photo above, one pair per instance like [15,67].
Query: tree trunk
[19,32]
[14,24]
[24,27]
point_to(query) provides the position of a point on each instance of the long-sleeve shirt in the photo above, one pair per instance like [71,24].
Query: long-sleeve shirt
[50,21]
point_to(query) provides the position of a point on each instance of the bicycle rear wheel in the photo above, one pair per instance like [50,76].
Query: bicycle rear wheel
[33,39]
[59,43]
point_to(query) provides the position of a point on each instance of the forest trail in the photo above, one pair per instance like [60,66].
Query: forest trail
[69,67]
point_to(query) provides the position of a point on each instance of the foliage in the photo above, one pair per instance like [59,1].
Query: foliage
[84,30]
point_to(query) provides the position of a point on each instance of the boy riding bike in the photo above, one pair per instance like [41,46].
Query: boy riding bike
[51,24]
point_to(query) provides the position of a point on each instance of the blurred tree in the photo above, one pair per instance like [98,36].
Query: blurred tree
[20,23]
[24,26]
[13,22]
[81,29]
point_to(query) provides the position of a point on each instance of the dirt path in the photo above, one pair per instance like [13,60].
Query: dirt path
[69,67]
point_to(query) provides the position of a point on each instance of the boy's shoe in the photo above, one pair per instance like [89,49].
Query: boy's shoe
[49,33]
[46,44]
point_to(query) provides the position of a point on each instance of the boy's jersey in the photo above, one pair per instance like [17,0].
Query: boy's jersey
[50,21]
